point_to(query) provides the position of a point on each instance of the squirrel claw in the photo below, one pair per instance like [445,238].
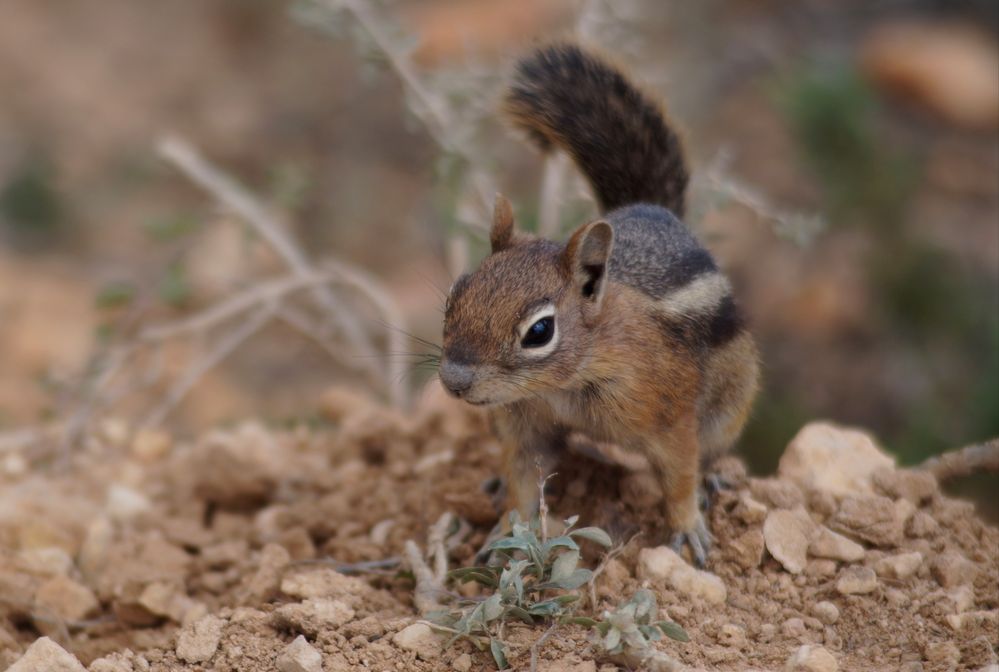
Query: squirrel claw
[698,539]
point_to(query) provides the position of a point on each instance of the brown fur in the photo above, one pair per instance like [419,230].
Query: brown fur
[647,350]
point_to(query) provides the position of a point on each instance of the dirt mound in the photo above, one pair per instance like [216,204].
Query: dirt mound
[143,553]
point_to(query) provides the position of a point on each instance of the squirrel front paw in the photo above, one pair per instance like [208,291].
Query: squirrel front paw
[698,538]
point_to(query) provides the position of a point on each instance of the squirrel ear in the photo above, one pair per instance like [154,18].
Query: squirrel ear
[586,256]
[501,233]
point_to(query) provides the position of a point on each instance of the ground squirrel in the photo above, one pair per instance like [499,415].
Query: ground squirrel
[628,332]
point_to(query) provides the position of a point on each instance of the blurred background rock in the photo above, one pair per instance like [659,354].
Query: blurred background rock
[879,120]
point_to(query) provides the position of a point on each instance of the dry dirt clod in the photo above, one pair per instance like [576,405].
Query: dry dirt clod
[900,566]
[787,535]
[825,611]
[663,564]
[834,546]
[265,583]
[809,658]
[837,460]
[313,616]
[747,549]
[300,657]
[65,599]
[953,569]
[942,655]
[45,655]
[732,635]
[748,510]
[915,486]
[856,581]
[198,642]
[872,518]
[420,639]
[462,663]
[776,493]
[150,445]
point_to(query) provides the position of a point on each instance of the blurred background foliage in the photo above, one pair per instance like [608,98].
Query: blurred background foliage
[879,118]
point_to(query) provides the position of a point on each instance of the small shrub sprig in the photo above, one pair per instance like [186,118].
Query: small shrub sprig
[535,579]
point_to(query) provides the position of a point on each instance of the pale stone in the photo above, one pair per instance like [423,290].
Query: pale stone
[748,510]
[787,535]
[198,642]
[732,635]
[124,503]
[793,627]
[267,580]
[900,566]
[776,493]
[420,639]
[856,580]
[811,658]
[299,656]
[829,544]
[314,615]
[838,460]
[44,655]
[826,611]
[51,561]
[151,444]
[462,663]
[909,484]
[872,518]
[663,564]
[747,549]
[953,569]
[65,599]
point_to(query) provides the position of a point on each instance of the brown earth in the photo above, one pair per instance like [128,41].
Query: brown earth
[146,553]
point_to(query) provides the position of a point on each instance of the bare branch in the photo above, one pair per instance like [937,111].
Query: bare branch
[973,459]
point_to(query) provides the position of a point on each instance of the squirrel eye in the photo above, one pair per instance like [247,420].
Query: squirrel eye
[539,333]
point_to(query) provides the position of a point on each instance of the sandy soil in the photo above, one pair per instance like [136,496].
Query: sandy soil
[146,553]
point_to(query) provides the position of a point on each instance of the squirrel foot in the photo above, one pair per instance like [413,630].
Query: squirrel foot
[699,540]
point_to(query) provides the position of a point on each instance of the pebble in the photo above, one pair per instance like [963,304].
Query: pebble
[834,546]
[299,656]
[856,581]
[776,493]
[793,627]
[45,655]
[733,635]
[915,486]
[872,518]
[747,549]
[748,510]
[314,616]
[834,459]
[150,445]
[810,658]
[663,564]
[198,641]
[900,566]
[420,639]
[267,580]
[922,525]
[826,611]
[953,569]
[462,663]
[65,599]
[787,535]
[821,568]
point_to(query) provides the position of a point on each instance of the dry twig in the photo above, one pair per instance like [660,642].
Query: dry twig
[973,459]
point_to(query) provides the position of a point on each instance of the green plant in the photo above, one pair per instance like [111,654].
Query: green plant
[536,579]
[630,630]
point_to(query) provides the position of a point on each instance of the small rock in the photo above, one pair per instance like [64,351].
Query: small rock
[953,569]
[198,642]
[263,586]
[793,627]
[748,548]
[900,566]
[322,582]
[299,656]
[663,564]
[150,445]
[829,544]
[961,598]
[462,663]
[51,561]
[166,600]
[46,656]
[825,611]
[856,581]
[776,493]
[313,616]
[922,525]
[767,632]
[837,460]
[873,518]
[748,510]
[420,639]
[942,655]
[915,486]
[810,658]
[732,635]
[821,567]
[65,599]
[787,535]
[896,597]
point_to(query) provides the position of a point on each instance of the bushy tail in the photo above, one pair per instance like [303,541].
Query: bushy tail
[565,97]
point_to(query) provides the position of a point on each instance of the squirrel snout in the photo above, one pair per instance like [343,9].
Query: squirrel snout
[457,378]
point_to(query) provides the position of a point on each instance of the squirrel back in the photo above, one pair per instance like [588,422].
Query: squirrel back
[565,97]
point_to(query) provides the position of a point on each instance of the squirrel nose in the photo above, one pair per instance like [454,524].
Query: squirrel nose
[457,378]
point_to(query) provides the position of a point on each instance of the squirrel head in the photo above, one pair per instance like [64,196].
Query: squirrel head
[521,323]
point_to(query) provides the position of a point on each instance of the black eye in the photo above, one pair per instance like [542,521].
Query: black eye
[539,333]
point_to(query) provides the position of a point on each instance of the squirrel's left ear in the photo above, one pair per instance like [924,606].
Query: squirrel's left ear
[586,256]
[501,233]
